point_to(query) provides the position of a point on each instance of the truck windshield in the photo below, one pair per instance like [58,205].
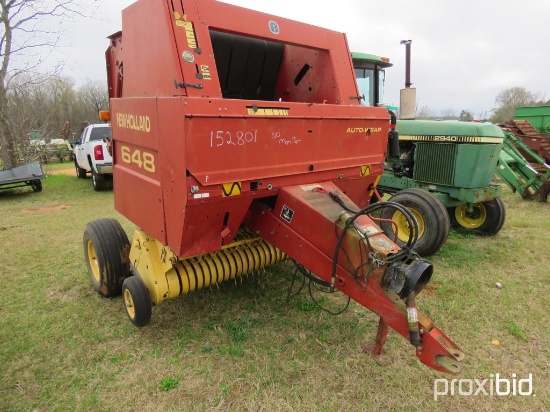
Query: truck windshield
[366,82]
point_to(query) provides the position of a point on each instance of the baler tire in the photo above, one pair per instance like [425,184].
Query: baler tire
[98,181]
[106,251]
[431,215]
[488,221]
[80,172]
[136,301]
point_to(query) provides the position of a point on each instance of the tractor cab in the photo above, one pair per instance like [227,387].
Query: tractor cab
[370,74]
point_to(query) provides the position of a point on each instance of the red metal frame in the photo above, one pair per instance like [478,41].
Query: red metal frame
[310,238]
[191,167]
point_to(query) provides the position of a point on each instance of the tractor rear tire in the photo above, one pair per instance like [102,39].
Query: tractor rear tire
[106,250]
[98,181]
[136,301]
[487,218]
[431,215]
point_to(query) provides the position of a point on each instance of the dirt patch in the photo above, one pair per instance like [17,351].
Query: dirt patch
[46,209]
[2,228]
[61,171]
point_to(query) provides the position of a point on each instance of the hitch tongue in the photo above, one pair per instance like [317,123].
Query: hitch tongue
[412,317]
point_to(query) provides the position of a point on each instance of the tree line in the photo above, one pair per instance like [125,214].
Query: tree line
[46,104]
[54,108]
[506,101]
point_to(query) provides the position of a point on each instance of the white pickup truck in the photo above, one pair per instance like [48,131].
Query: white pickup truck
[91,155]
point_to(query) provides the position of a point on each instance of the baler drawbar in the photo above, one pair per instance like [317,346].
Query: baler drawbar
[238,141]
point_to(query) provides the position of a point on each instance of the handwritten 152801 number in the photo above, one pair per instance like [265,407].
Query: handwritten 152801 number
[240,138]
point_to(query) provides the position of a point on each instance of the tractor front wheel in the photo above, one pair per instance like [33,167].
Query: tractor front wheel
[136,301]
[485,218]
[431,216]
[106,250]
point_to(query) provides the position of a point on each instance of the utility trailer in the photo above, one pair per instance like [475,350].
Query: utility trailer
[30,174]
[239,141]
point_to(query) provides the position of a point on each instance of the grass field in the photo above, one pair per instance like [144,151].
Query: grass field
[243,347]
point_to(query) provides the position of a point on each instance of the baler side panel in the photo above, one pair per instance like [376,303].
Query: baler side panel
[194,52]
[151,61]
[173,166]
[294,139]
[137,166]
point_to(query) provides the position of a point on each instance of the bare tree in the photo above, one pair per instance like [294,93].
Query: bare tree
[508,99]
[26,41]
[94,94]
[448,114]
[465,116]
[424,112]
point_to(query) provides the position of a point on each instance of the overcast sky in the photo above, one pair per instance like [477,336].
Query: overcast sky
[463,53]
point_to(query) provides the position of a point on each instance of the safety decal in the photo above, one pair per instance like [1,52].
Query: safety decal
[287,213]
[205,72]
[231,189]
[181,21]
[266,111]
[365,170]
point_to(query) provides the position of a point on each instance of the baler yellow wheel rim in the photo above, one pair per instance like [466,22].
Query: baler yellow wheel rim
[471,220]
[403,229]
[129,304]
[92,259]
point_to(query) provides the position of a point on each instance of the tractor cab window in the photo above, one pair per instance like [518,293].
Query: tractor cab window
[370,82]
[365,83]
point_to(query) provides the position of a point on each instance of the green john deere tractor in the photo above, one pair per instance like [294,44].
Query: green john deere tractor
[440,170]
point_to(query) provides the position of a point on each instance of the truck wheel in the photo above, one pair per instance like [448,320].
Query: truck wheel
[106,250]
[487,218]
[36,185]
[136,301]
[80,172]
[431,215]
[98,181]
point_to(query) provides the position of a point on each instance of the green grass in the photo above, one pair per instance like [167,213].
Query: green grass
[242,346]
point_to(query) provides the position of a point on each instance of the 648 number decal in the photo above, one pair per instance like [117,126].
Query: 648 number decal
[142,159]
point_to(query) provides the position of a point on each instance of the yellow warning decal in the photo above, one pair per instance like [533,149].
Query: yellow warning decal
[267,111]
[205,71]
[181,21]
[365,170]
[231,189]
